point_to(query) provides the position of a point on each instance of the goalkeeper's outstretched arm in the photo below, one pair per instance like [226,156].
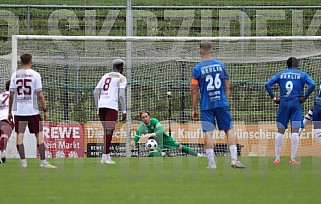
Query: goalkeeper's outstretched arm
[137,137]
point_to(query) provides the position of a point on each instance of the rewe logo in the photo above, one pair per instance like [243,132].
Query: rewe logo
[62,132]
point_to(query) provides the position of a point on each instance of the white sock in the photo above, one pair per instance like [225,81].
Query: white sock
[163,154]
[108,156]
[233,151]
[278,145]
[210,156]
[23,162]
[44,162]
[307,118]
[294,145]
[317,134]
[104,157]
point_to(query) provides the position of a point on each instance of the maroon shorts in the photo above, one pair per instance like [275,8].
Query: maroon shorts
[108,117]
[33,121]
[6,127]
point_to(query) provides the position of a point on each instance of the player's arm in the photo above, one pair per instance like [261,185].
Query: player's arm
[42,101]
[122,97]
[137,136]
[268,87]
[311,87]
[159,130]
[194,92]
[226,82]
[227,88]
[97,92]
[12,88]
[40,96]
[11,96]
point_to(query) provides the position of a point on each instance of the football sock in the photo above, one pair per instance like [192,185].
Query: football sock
[41,150]
[107,143]
[104,157]
[278,145]
[24,162]
[21,151]
[3,144]
[210,156]
[307,118]
[44,162]
[294,145]
[188,150]
[233,151]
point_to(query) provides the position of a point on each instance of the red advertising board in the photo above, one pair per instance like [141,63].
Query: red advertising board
[64,140]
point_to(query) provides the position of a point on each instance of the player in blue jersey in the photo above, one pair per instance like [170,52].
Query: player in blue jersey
[291,82]
[314,115]
[212,79]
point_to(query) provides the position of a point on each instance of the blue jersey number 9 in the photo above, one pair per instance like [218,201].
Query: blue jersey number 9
[213,83]
[289,87]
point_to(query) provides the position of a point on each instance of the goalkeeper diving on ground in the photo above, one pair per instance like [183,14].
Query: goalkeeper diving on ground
[153,129]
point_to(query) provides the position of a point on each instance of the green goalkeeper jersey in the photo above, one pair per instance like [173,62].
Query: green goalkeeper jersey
[154,127]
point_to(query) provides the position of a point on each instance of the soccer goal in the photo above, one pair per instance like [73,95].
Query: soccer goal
[158,70]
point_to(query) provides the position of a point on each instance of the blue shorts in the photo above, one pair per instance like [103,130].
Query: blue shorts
[290,110]
[316,116]
[222,115]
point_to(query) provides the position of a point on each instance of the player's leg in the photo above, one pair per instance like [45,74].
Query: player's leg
[224,122]
[108,117]
[208,125]
[317,122]
[35,127]
[173,144]
[308,117]
[20,127]
[6,128]
[296,125]
[281,123]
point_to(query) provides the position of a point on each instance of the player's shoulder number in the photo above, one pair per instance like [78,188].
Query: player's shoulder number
[213,83]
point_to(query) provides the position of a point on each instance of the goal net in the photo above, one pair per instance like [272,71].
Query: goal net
[71,66]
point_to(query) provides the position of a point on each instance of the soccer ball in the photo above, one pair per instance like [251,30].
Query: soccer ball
[151,144]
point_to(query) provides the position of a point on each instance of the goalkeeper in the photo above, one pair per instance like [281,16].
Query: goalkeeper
[153,129]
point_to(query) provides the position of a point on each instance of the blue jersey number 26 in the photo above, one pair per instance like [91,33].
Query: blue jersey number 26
[213,83]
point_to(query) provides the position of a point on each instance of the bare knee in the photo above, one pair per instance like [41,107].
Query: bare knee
[281,130]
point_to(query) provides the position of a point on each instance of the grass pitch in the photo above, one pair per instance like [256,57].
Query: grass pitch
[157,180]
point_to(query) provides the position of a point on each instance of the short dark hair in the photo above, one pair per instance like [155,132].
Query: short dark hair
[142,112]
[25,58]
[292,62]
[118,64]
[7,85]
[206,45]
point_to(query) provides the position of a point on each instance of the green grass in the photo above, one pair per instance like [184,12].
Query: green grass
[158,180]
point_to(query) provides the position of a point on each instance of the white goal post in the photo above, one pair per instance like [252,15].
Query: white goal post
[72,65]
